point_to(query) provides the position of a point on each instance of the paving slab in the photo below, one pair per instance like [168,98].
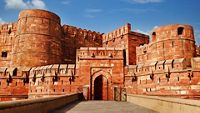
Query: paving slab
[103,107]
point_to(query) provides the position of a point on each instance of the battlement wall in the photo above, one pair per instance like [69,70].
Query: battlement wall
[124,38]
[164,78]
[81,37]
[117,33]
[42,81]
[74,32]
[99,52]
[7,37]
[39,14]
[75,38]
[14,83]
[55,79]
[173,31]
[169,42]
[8,28]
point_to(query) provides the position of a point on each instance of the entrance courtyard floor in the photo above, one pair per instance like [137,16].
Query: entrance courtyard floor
[102,107]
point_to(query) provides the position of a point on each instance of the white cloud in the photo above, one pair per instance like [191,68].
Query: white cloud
[93,10]
[66,2]
[143,32]
[2,21]
[197,36]
[91,13]
[145,1]
[22,4]
[155,27]
[152,30]
[38,4]
[133,10]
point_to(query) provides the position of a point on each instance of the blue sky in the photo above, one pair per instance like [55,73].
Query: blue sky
[106,15]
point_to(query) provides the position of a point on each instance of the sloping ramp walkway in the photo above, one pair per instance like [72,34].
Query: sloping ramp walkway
[103,107]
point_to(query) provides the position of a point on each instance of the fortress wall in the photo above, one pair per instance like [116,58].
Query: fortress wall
[51,80]
[169,42]
[74,38]
[96,62]
[164,78]
[135,39]
[14,83]
[124,38]
[118,37]
[38,39]
[166,66]
[7,37]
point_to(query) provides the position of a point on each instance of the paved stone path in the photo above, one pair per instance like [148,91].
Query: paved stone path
[103,107]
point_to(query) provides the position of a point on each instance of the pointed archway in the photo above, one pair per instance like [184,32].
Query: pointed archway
[101,86]
[98,88]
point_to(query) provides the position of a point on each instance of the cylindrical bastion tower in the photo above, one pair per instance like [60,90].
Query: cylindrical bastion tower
[173,42]
[38,39]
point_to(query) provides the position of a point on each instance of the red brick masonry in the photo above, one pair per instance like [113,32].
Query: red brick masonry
[41,58]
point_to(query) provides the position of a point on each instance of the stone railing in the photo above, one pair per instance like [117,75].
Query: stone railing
[165,104]
[40,105]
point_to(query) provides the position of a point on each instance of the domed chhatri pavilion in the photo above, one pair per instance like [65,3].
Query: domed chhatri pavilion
[41,58]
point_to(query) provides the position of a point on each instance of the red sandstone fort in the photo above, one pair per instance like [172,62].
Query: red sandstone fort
[41,58]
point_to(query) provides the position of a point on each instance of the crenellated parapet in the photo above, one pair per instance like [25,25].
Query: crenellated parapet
[52,79]
[82,34]
[8,29]
[167,65]
[75,38]
[173,32]
[166,78]
[142,53]
[7,38]
[195,63]
[169,42]
[39,57]
[124,38]
[99,53]
[163,66]
[14,83]
[118,33]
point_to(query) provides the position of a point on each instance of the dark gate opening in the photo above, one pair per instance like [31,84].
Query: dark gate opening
[98,88]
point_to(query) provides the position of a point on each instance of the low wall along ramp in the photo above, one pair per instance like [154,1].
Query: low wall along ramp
[165,104]
[40,105]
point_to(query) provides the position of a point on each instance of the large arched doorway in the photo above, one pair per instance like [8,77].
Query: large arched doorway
[98,88]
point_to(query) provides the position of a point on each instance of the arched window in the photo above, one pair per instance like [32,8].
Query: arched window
[180,30]
[154,36]
[9,31]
